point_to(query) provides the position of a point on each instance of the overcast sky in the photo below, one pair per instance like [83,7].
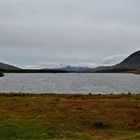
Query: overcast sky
[53,33]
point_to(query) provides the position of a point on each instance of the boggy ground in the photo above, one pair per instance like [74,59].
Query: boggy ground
[69,117]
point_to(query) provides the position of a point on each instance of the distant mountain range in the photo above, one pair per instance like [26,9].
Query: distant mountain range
[74,69]
[130,64]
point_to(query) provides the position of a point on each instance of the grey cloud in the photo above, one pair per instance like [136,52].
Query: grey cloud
[63,31]
[112,60]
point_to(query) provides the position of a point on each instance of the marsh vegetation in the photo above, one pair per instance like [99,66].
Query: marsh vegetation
[69,117]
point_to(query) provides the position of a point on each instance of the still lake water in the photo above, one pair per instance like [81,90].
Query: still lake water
[70,83]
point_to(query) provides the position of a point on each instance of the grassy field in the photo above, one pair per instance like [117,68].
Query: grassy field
[69,117]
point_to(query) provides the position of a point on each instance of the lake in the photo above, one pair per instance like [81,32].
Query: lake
[70,83]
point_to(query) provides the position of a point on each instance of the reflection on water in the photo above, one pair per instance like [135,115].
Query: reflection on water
[70,83]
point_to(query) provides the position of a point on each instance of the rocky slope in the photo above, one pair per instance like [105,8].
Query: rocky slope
[4,66]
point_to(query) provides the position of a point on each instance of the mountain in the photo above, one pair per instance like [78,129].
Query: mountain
[4,66]
[73,69]
[131,63]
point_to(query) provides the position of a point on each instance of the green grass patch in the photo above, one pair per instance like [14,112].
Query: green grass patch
[32,130]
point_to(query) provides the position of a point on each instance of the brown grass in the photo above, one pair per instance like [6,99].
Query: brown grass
[89,115]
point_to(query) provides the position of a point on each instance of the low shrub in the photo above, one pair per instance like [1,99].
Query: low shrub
[100,125]
[1,74]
